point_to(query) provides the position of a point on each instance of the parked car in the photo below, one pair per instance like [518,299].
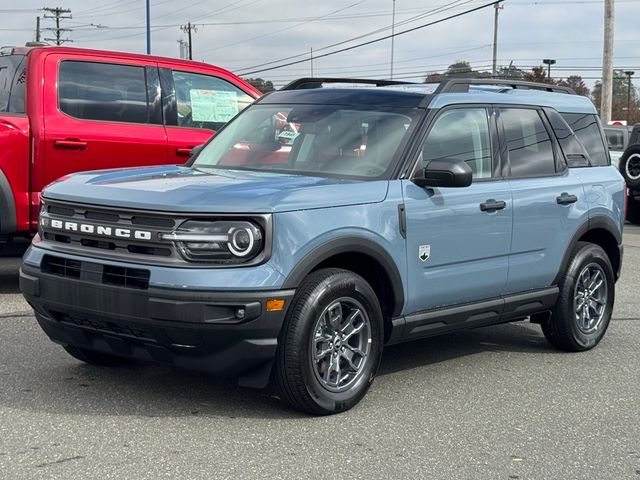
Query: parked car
[398,212]
[64,110]
[629,166]
[617,141]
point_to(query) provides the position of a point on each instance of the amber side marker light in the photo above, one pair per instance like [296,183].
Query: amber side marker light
[275,305]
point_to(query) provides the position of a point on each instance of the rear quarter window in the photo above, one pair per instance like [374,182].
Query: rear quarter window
[587,129]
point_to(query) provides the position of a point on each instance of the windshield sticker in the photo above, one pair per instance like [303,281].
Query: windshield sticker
[212,105]
[287,136]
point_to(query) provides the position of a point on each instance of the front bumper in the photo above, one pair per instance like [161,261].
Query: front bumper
[220,333]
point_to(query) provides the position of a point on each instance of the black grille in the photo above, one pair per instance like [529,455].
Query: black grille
[62,267]
[125,277]
[111,246]
[129,330]
[95,272]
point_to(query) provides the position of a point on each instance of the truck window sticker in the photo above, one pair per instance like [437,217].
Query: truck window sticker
[213,105]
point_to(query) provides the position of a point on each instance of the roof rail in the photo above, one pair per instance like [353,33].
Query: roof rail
[317,82]
[460,85]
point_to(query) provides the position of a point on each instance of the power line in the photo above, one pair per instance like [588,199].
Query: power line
[282,30]
[386,37]
[373,32]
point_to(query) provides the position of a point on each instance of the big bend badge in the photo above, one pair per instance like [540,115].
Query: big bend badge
[424,252]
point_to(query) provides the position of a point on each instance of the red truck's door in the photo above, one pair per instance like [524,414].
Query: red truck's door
[197,102]
[100,112]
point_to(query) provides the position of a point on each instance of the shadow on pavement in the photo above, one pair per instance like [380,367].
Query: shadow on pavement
[55,383]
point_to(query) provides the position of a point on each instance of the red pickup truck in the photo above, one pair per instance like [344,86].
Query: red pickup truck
[64,110]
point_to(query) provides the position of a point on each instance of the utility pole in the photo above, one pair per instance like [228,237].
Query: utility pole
[38,28]
[57,15]
[607,64]
[311,62]
[187,29]
[628,74]
[393,35]
[497,7]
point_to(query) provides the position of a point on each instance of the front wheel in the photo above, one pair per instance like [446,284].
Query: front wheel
[331,343]
[582,313]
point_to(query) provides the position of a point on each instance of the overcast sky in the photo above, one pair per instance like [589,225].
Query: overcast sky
[242,34]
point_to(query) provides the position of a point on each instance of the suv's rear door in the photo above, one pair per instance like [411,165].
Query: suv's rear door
[549,202]
[100,112]
[197,102]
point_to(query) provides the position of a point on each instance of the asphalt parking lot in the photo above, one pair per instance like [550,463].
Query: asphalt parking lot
[492,403]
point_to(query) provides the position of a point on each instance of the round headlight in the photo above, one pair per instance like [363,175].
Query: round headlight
[242,240]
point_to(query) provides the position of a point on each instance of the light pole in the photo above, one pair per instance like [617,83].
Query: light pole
[393,29]
[148,28]
[628,74]
[548,62]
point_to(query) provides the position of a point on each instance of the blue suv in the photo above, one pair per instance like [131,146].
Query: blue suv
[330,219]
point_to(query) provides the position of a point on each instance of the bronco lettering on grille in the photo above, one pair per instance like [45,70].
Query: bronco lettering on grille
[100,230]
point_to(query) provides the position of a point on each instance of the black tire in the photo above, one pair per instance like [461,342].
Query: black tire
[95,358]
[633,210]
[630,166]
[564,329]
[298,376]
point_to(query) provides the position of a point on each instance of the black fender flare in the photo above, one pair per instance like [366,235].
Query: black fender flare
[8,222]
[350,245]
[601,222]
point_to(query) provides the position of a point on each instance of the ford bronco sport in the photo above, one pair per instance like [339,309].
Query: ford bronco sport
[388,212]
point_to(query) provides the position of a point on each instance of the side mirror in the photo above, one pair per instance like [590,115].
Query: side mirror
[445,172]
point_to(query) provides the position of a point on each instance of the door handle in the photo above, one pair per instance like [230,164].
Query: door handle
[566,199]
[70,144]
[492,205]
[184,151]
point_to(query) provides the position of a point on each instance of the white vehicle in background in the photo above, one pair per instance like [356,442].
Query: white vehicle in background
[617,140]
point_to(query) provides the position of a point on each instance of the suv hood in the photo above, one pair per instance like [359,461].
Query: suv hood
[183,189]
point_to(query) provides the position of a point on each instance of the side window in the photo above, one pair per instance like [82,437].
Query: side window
[13,77]
[528,143]
[587,129]
[573,150]
[103,91]
[207,102]
[462,134]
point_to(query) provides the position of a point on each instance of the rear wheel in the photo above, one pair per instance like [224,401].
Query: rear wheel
[331,343]
[95,358]
[582,313]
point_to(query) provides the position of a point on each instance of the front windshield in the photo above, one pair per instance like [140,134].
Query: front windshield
[321,140]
